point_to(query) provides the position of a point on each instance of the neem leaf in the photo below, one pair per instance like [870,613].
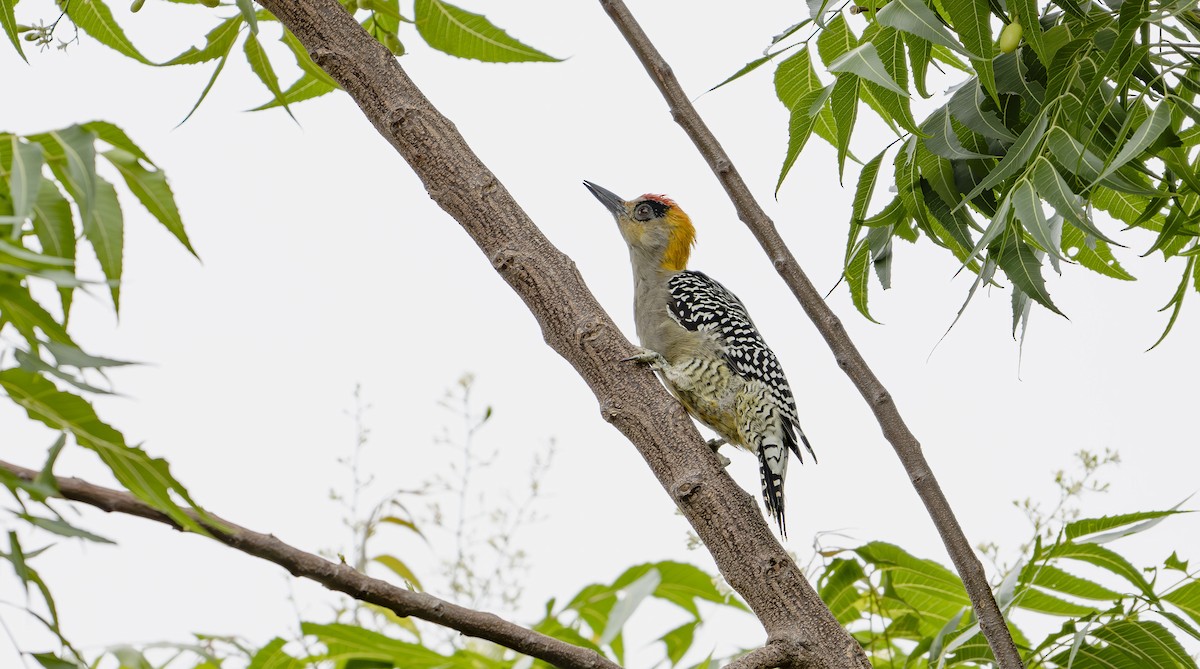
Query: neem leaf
[147,478]
[865,62]
[915,17]
[1021,266]
[9,21]
[465,35]
[94,18]
[152,190]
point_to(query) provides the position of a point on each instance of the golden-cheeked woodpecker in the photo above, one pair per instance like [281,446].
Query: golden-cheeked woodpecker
[699,338]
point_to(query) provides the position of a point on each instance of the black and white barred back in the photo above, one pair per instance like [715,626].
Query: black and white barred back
[699,303]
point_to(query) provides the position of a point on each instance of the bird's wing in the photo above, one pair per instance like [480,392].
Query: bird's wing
[699,303]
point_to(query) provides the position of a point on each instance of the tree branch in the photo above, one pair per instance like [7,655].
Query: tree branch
[724,516]
[848,358]
[343,578]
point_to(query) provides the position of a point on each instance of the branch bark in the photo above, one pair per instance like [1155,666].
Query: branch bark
[724,516]
[343,578]
[907,448]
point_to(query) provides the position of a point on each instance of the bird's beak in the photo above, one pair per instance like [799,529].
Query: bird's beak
[607,198]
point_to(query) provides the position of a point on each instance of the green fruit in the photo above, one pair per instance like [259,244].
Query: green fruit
[137,4]
[1010,37]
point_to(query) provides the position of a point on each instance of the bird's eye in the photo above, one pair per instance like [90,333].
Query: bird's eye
[643,212]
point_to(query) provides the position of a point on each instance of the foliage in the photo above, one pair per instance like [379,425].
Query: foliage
[441,25]
[1093,112]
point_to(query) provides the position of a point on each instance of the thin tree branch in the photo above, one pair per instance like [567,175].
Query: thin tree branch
[848,358]
[777,654]
[343,578]
[724,516]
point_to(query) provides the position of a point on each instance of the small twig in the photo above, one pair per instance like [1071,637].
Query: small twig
[848,358]
[343,578]
[777,654]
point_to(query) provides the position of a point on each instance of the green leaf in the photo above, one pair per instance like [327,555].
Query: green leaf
[9,20]
[919,56]
[1104,558]
[152,190]
[1176,301]
[212,80]
[1147,642]
[147,478]
[105,229]
[246,7]
[966,106]
[116,138]
[916,18]
[1021,266]
[1084,530]
[634,593]
[217,44]
[799,89]
[864,61]
[1026,13]
[943,141]
[972,22]
[1051,186]
[925,585]
[1187,598]
[94,18]
[1150,129]
[1036,600]
[838,589]
[1015,159]
[1053,578]
[682,584]
[51,661]
[303,60]
[306,87]
[25,177]
[1082,162]
[55,230]
[1097,256]
[261,65]
[272,656]
[858,277]
[1028,208]
[835,40]
[1173,562]
[460,33]
[399,568]
[348,642]
[679,641]
[844,102]
[25,314]
[71,153]
[63,528]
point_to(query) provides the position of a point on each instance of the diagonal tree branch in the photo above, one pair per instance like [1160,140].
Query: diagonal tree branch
[907,447]
[343,578]
[724,516]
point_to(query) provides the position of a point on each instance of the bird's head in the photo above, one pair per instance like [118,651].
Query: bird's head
[653,226]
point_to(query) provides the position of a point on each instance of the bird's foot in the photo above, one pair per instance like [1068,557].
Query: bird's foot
[653,359]
[715,444]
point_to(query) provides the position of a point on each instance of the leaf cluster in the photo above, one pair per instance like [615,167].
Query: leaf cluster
[1093,112]
[53,203]
[439,24]
[909,612]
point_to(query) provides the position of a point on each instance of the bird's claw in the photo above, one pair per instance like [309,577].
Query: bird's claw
[648,357]
[715,444]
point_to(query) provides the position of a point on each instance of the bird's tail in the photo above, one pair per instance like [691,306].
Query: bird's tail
[772,467]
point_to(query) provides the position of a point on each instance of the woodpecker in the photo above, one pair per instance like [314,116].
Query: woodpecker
[699,338]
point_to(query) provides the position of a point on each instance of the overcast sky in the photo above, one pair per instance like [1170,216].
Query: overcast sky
[325,265]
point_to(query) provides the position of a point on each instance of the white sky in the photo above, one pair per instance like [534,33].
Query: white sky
[325,265]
